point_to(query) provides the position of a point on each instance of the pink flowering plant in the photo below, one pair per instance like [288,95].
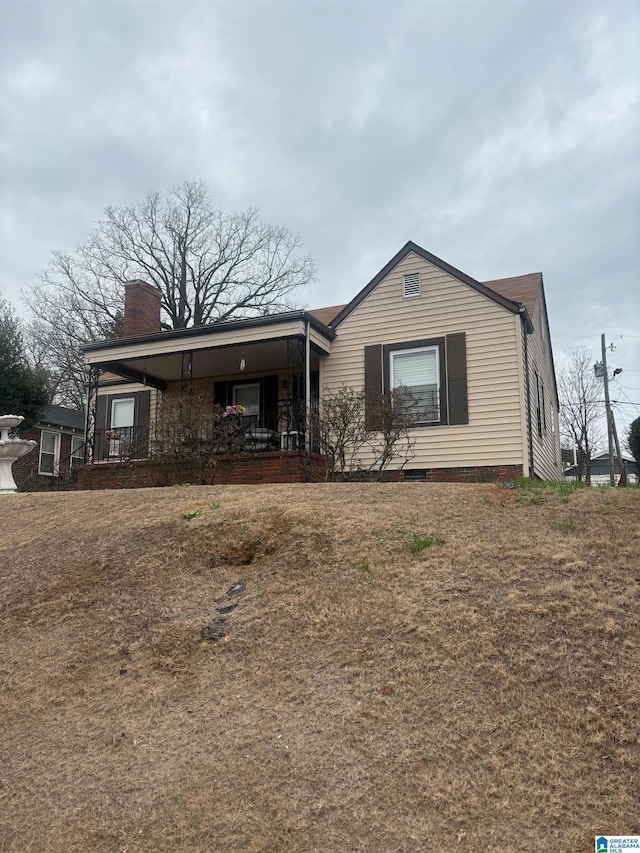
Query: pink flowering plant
[233,410]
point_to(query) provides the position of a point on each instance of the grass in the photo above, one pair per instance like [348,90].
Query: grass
[420,542]
[189,514]
[484,693]
[529,498]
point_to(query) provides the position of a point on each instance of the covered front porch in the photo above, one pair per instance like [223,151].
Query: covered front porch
[256,383]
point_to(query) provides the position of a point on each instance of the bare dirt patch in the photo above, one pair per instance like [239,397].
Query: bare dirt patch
[482,691]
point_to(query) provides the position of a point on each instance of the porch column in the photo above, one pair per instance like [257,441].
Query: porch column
[296,384]
[92,405]
[186,372]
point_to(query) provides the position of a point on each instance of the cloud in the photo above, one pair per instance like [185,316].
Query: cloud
[503,137]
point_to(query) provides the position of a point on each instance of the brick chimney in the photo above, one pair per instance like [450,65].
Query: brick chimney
[141,308]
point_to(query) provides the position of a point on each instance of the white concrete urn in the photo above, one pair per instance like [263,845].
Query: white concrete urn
[10,450]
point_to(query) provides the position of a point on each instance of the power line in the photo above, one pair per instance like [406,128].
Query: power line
[626,403]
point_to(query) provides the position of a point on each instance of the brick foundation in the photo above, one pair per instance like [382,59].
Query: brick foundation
[475,474]
[271,467]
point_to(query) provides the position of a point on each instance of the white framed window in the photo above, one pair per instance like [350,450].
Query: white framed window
[77,451]
[122,413]
[418,370]
[247,395]
[49,453]
[411,284]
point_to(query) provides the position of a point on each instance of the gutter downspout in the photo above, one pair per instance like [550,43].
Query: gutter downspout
[307,386]
[527,387]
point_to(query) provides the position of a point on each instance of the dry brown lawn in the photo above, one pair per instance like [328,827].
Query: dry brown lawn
[481,694]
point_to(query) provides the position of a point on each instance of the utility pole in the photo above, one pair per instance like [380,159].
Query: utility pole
[605,376]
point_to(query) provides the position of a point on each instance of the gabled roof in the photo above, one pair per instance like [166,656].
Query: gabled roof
[512,305]
[326,315]
[599,466]
[527,289]
[519,288]
[63,417]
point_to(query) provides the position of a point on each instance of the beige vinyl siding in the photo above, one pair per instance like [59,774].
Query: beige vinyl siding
[546,450]
[494,433]
[126,388]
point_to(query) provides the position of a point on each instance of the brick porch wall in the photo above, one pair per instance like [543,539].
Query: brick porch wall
[270,467]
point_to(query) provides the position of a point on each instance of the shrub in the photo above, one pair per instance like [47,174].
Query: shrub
[365,446]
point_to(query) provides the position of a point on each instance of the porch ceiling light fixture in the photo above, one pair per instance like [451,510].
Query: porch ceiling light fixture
[243,362]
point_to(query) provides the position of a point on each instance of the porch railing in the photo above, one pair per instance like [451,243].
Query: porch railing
[248,433]
[117,443]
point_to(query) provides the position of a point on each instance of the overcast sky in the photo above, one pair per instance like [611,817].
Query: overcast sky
[504,137]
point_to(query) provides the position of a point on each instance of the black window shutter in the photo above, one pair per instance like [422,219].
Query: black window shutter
[270,401]
[372,383]
[101,424]
[143,408]
[457,378]
[220,391]
[101,412]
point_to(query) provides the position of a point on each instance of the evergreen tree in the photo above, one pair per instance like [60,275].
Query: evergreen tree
[633,438]
[23,391]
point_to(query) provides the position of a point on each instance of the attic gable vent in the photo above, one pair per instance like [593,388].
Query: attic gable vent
[411,284]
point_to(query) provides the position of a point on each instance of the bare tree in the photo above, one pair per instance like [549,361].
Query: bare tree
[209,265]
[396,413]
[580,392]
[341,430]
[350,446]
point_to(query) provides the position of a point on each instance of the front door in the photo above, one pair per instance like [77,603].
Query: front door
[248,396]
[122,414]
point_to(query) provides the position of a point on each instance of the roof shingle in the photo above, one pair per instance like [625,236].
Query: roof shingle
[519,288]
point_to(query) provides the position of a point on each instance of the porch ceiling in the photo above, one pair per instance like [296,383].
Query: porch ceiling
[260,357]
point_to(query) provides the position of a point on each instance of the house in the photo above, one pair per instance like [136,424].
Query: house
[599,467]
[477,356]
[59,437]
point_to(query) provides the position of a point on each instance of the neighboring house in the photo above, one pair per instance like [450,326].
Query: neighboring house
[477,356]
[599,467]
[59,437]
